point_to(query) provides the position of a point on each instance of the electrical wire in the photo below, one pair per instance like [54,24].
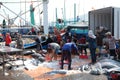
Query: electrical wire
[21,1]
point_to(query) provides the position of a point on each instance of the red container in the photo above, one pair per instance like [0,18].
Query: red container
[83,56]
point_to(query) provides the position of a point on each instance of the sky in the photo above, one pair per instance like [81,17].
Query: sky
[82,7]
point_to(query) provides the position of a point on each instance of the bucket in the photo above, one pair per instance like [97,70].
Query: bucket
[83,56]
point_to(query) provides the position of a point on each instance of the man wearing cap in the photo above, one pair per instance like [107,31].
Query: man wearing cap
[111,44]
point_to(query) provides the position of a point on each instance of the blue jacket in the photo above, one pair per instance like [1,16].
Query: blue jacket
[92,42]
[69,46]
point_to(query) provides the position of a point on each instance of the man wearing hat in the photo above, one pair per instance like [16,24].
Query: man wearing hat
[92,45]
[111,44]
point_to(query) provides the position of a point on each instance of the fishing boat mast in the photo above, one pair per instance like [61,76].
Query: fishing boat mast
[45,16]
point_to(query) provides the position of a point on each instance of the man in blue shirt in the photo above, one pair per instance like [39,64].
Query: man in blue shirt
[67,50]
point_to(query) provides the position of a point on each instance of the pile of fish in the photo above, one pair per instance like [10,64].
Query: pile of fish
[28,40]
[103,66]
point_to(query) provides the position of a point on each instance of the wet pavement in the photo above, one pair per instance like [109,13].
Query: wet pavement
[83,76]
[42,71]
[31,71]
[15,75]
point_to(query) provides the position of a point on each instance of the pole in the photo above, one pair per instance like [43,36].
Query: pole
[20,13]
[45,16]
[39,14]
[64,13]
[56,17]
[25,11]
[74,12]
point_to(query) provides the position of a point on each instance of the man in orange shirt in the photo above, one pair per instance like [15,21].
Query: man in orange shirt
[7,39]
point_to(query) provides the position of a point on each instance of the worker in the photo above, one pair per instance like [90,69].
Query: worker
[38,42]
[53,49]
[67,50]
[83,46]
[92,46]
[111,45]
[19,41]
[33,31]
[19,45]
[8,39]
[49,39]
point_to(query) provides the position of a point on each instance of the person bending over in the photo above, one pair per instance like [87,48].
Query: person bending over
[67,50]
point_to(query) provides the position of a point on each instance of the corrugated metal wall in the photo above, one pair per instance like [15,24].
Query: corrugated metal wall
[117,23]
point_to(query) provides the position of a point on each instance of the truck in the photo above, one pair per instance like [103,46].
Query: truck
[108,18]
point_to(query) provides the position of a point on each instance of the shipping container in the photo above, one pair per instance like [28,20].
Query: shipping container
[108,17]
